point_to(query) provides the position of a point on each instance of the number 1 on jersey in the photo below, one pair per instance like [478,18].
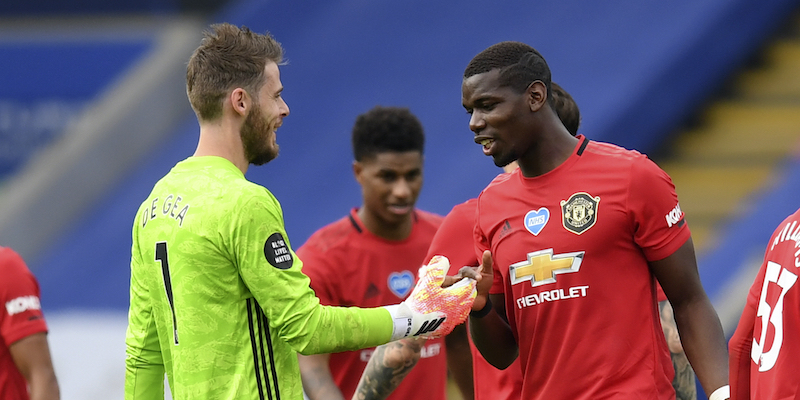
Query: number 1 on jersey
[161,256]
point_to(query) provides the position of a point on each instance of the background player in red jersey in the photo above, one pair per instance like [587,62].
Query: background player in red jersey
[370,257]
[454,240]
[26,368]
[578,235]
[764,348]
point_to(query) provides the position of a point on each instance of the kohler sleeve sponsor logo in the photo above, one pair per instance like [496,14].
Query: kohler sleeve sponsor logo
[22,304]
[674,216]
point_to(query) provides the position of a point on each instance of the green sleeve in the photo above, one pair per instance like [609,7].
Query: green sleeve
[144,366]
[272,272]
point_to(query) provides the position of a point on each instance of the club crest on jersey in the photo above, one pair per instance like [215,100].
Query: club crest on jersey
[400,283]
[541,267]
[276,251]
[579,212]
[535,220]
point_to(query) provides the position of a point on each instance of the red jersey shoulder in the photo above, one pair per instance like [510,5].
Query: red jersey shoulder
[459,222]
[12,267]
[612,156]
[429,219]
[500,179]
[611,150]
[464,210]
[331,235]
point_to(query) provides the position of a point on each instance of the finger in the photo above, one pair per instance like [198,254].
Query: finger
[449,280]
[470,272]
[436,270]
[486,265]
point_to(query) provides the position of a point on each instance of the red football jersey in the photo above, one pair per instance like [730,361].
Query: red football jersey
[765,347]
[571,251]
[20,316]
[349,266]
[454,240]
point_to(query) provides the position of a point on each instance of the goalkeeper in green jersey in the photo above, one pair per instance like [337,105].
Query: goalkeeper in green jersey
[218,300]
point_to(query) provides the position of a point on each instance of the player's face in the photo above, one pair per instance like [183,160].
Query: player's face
[390,184]
[265,117]
[499,117]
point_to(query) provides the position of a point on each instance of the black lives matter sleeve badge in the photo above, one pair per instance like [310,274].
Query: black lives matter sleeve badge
[579,212]
[276,251]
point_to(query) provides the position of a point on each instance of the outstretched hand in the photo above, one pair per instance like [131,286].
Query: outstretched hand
[432,310]
[483,274]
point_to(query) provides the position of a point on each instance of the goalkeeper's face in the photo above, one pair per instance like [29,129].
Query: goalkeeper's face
[390,184]
[259,129]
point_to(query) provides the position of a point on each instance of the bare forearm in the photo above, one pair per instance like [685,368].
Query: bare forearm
[31,355]
[704,343]
[318,383]
[387,367]
[684,381]
[493,336]
[459,360]
[44,387]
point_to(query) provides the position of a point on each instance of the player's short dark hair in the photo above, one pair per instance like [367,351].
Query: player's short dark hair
[519,64]
[566,108]
[386,129]
[228,57]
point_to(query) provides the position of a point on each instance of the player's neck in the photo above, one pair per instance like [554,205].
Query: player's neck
[548,153]
[378,227]
[222,140]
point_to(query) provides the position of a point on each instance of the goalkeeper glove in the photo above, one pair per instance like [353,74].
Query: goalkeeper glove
[430,310]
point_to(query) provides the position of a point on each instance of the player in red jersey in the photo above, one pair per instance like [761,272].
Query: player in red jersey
[370,257]
[454,240]
[764,348]
[578,236]
[26,369]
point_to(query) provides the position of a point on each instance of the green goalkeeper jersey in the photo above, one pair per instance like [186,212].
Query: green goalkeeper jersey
[218,299]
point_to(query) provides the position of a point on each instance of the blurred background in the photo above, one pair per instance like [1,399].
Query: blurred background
[93,111]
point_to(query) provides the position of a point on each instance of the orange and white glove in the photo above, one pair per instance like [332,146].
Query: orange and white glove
[430,310]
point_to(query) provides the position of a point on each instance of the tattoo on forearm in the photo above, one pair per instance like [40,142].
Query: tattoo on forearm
[388,366]
[684,381]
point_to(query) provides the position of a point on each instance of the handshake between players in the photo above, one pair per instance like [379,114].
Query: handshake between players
[438,303]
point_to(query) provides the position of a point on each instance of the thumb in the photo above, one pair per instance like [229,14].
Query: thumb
[486,264]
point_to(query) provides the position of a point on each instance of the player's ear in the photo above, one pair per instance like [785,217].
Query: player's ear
[358,168]
[240,101]
[537,95]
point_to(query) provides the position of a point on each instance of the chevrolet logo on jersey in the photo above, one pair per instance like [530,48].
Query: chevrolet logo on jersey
[541,267]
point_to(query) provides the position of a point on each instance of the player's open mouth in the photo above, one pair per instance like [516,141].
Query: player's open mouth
[486,143]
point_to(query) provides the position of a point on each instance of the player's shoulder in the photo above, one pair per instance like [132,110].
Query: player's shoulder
[629,162]
[11,261]
[465,210]
[429,218]
[252,197]
[500,182]
[13,268]
[332,235]
[609,152]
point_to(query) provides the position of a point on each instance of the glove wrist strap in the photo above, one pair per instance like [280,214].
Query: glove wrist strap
[402,323]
